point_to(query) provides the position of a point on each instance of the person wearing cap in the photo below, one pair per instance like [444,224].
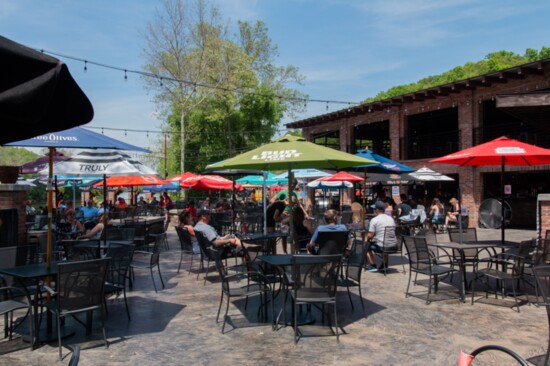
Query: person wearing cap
[283,195]
[226,245]
[375,236]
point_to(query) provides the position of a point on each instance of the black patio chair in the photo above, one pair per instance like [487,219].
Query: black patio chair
[392,245]
[13,299]
[186,246]
[149,260]
[118,273]
[314,282]
[332,242]
[206,254]
[121,233]
[423,261]
[353,267]
[503,268]
[242,284]
[79,289]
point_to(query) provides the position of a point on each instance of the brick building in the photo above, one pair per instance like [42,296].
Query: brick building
[417,127]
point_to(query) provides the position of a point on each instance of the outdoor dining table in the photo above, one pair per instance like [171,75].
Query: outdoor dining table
[477,245]
[37,271]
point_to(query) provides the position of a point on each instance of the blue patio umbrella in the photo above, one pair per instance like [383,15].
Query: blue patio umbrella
[304,174]
[170,187]
[258,180]
[386,164]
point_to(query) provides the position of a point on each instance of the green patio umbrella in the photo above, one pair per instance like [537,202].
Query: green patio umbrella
[291,152]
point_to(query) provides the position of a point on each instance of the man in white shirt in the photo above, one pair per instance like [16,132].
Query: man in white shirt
[375,236]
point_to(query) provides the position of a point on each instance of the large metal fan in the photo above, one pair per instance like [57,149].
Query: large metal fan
[490,213]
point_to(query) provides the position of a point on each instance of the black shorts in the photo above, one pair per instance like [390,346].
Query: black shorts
[374,247]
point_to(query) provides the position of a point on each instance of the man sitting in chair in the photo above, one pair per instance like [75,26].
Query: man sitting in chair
[227,245]
[375,236]
[331,219]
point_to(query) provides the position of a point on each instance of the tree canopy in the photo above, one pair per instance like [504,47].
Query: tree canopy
[223,94]
[15,156]
[494,61]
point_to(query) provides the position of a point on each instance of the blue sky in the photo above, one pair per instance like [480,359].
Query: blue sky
[347,49]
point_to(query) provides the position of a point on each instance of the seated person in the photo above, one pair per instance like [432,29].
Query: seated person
[97,230]
[192,209]
[377,228]
[331,219]
[90,213]
[404,208]
[452,215]
[186,223]
[227,245]
[121,203]
[153,201]
[141,201]
[73,227]
[436,212]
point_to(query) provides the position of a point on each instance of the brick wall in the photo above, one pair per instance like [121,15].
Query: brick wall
[14,196]
[543,216]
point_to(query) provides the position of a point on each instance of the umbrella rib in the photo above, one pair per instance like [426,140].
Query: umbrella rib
[525,160]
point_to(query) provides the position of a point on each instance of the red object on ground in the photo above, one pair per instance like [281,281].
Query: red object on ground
[132,181]
[341,176]
[209,182]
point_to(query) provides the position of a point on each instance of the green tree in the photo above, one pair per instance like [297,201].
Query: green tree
[16,156]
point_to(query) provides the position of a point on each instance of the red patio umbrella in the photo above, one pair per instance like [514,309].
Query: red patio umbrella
[132,181]
[341,176]
[182,176]
[501,151]
[208,183]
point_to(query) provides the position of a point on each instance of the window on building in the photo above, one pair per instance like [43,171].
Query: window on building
[374,136]
[328,139]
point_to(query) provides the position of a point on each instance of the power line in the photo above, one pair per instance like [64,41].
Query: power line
[191,83]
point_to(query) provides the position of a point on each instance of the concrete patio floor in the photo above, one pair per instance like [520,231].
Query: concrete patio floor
[177,326]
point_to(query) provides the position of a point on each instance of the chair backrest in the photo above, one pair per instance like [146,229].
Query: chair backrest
[81,250]
[332,242]
[215,256]
[186,242]
[121,257]
[19,255]
[159,240]
[431,237]
[121,233]
[316,272]
[140,227]
[204,245]
[542,254]
[391,239]
[419,254]
[355,260]
[80,284]
[542,276]
[468,234]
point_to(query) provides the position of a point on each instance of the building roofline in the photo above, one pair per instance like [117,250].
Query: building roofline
[485,80]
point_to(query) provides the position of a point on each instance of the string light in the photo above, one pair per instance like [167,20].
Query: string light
[85,65]
[192,83]
[125,75]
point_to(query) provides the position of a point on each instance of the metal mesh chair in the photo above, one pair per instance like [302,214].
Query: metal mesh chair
[79,289]
[186,246]
[392,245]
[119,266]
[315,282]
[353,267]
[11,300]
[332,242]
[542,277]
[149,260]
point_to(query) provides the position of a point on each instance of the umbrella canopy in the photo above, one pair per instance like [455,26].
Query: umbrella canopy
[258,180]
[208,183]
[303,174]
[341,176]
[181,177]
[291,152]
[37,94]
[390,179]
[97,163]
[77,138]
[501,151]
[323,184]
[168,187]
[132,181]
[427,175]
[41,163]
[385,165]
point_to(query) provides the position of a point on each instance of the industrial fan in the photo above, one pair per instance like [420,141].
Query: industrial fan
[490,213]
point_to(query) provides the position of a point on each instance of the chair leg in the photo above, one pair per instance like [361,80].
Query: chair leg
[408,284]
[295,323]
[206,274]
[219,309]
[361,297]
[103,327]
[125,303]
[429,290]
[59,336]
[160,275]
[225,315]
[515,295]
[336,322]
[153,279]
[181,260]
[350,301]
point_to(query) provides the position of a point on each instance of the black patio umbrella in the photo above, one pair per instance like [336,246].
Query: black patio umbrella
[37,94]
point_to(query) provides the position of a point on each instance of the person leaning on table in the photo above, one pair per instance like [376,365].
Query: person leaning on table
[375,236]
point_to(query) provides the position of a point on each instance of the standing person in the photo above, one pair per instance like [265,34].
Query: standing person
[192,209]
[276,213]
[168,203]
[283,195]
[375,236]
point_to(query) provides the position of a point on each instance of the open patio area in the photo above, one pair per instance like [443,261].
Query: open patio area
[178,326]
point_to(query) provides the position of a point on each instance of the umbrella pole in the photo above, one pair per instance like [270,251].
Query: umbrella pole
[291,206]
[105,207]
[50,209]
[459,217]
[502,220]
[364,210]
[264,203]
[233,205]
